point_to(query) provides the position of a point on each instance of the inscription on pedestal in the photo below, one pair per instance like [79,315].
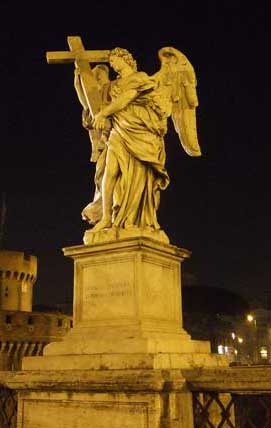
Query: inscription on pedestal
[108,290]
[111,289]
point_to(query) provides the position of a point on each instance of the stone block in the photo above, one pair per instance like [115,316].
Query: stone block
[127,299]
[103,399]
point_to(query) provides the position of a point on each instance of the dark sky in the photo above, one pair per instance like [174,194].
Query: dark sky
[218,206]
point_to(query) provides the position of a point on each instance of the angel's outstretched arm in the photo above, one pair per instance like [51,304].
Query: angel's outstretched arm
[118,104]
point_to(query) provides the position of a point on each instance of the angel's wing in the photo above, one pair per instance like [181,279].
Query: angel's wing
[178,73]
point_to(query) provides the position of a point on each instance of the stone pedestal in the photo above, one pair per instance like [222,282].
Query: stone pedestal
[103,399]
[127,310]
[126,347]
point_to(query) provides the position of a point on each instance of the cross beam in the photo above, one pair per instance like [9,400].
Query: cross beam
[82,59]
[77,52]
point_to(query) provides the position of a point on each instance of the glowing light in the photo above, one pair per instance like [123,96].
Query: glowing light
[264,353]
[240,340]
[235,351]
[220,349]
[250,318]
[233,335]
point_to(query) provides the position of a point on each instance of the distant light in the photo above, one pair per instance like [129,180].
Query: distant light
[250,318]
[220,349]
[233,335]
[235,351]
[264,353]
[240,340]
[226,349]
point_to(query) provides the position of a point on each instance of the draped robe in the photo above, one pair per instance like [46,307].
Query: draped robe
[137,140]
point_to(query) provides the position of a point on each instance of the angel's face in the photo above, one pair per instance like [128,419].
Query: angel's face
[118,63]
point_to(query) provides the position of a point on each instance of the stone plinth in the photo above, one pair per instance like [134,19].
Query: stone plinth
[103,399]
[127,310]
[121,365]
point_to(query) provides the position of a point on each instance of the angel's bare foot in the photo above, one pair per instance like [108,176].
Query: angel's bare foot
[103,224]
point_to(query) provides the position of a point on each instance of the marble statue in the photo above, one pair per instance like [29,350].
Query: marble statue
[127,121]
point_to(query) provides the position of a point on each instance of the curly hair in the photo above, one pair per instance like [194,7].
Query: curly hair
[125,55]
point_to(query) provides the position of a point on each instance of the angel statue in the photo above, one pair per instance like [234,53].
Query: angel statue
[128,133]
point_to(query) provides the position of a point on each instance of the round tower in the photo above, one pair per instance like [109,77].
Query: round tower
[18,273]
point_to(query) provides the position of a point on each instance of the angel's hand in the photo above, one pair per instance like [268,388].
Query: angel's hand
[86,120]
[99,121]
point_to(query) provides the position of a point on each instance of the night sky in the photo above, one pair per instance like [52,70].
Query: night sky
[217,206]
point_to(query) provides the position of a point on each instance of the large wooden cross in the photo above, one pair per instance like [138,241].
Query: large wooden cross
[82,59]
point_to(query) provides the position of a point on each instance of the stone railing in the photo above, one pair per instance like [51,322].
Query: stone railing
[222,398]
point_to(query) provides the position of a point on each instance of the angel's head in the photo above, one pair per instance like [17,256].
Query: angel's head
[119,58]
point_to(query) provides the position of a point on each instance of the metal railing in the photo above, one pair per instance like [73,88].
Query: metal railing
[216,410]
[231,397]
[8,408]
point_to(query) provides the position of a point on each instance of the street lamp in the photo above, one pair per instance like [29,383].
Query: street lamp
[251,319]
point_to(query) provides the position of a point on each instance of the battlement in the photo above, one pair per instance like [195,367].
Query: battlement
[26,334]
[35,326]
[18,274]
[18,265]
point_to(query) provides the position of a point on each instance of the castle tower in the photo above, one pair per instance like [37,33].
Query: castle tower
[18,273]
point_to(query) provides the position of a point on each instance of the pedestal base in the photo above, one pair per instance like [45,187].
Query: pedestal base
[120,366]
[116,234]
[125,361]
[104,399]
[127,299]
[127,311]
